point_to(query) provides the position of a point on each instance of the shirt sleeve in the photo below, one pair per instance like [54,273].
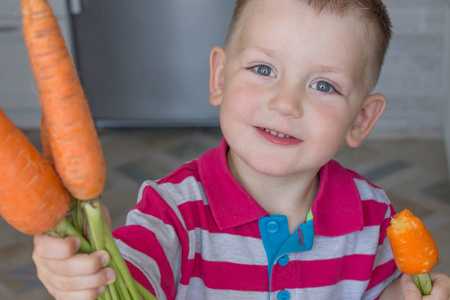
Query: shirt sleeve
[151,241]
[384,269]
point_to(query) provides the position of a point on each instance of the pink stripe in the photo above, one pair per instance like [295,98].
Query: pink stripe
[132,235]
[374,212]
[139,277]
[185,170]
[381,273]
[198,215]
[383,231]
[309,274]
[229,276]
[156,206]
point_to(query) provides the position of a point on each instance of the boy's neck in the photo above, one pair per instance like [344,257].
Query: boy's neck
[289,196]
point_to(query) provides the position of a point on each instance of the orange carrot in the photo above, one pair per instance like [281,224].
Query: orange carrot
[74,144]
[415,251]
[73,139]
[32,198]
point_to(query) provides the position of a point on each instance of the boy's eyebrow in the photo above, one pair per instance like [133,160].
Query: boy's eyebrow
[260,49]
[331,69]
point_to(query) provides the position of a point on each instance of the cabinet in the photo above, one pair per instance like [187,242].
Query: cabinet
[146,63]
[18,91]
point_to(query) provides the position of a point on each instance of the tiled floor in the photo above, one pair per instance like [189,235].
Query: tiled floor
[412,171]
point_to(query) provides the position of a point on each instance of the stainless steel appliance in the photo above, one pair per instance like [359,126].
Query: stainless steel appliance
[146,62]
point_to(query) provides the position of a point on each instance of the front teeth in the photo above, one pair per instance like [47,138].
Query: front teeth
[272,132]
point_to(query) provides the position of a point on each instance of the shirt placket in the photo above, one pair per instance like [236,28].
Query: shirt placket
[278,244]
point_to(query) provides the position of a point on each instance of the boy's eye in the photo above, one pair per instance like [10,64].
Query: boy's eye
[264,70]
[323,86]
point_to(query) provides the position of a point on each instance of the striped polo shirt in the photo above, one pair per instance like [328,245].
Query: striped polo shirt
[197,234]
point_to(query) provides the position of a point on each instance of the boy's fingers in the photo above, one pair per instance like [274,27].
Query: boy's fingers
[90,294]
[441,285]
[76,283]
[50,247]
[409,289]
[68,284]
[79,264]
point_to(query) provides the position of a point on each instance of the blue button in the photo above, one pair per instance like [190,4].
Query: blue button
[284,260]
[272,226]
[284,295]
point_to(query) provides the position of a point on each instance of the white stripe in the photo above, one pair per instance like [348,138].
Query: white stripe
[186,191]
[145,264]
[177,194]
[165,234]
[384,253]
[197,290]
[368,192]
[239,249]
[167,198]
[360,242]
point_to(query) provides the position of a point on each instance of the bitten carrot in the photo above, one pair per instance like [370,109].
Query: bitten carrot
[415,251]
[32,198]
[72,135]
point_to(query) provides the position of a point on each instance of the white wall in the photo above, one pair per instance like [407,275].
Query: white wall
[413,78]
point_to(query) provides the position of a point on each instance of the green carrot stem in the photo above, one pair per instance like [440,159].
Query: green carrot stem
[106,294]
[78,217]
[94,215]
[113,291]
[85,246]
[423,283]
[121,287]
[144,292]
[122,267]
[65,228]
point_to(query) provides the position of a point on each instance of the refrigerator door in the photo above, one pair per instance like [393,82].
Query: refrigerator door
[146,62]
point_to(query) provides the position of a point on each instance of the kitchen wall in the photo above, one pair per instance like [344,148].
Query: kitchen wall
[414,76]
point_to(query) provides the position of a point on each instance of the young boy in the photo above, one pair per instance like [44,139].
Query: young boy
[268,214]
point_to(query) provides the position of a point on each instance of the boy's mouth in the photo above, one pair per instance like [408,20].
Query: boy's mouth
[278,138]
[277,134]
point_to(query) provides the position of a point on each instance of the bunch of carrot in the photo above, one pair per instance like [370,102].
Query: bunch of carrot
[415,251]
[38,191]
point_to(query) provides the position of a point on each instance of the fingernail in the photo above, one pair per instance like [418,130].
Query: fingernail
[100,290]
[111,276]
[105,258]
[77,243]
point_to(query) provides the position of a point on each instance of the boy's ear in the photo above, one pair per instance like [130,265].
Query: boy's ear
[368,116]
[216,73]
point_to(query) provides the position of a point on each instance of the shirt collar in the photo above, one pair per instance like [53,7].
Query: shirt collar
[337,209]
[230,204]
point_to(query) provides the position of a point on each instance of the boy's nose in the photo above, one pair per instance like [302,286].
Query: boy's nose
[287,102]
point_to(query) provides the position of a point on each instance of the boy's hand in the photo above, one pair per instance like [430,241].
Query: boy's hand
[441,287]
[68,275]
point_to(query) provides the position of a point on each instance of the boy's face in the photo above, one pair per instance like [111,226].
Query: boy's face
[295,73]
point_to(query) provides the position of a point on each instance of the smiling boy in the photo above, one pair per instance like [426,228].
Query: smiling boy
[304,76]
[268,214]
